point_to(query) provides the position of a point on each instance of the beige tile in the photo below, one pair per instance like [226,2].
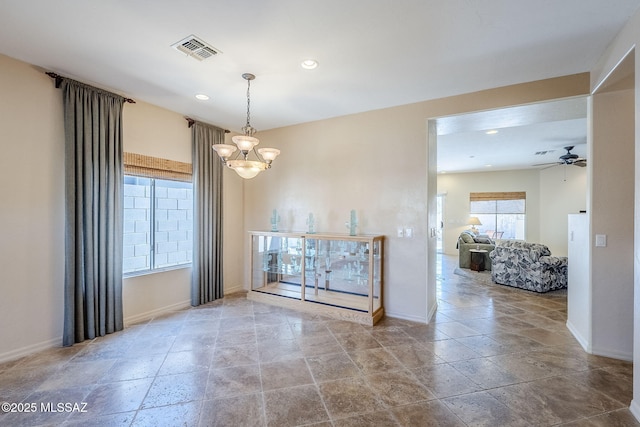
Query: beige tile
[485,373]
[398,388]
[273,351]
[119,396]
[186,414]
[244,410]
[378,419]
[334,366]
[375,361]
[318,343]
[414,355]
[226,382]
[451,350]
[433,413]
[235,355]
[288,373]
[482,409]
[348,397]
[294,406]
[187,361]
[619,387]
[444,380]
[357,341]
[491,355]
[554,400]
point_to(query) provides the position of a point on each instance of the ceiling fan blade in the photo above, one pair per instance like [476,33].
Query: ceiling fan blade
[546,164]
[580,163]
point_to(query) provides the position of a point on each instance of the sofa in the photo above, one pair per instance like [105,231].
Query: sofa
[528,266]
[468,240]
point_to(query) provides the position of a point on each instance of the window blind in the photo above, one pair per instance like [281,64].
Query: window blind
[155,167]
[513,195]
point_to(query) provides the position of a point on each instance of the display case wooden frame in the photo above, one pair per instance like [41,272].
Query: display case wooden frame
[336,275]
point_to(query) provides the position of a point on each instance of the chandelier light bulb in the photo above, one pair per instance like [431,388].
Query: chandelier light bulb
[246,144]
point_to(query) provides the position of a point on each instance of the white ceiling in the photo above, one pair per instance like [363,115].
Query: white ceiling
[372,53]
[523,131]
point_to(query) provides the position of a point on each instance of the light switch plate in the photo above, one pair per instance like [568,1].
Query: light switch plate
[400,232]
[601,240]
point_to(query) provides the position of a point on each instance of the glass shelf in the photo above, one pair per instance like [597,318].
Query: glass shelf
[325,270]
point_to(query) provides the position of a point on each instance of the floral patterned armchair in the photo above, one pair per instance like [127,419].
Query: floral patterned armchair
[528,266]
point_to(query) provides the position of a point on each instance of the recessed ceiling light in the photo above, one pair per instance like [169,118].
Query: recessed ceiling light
[487,166]
[309,64]
[202,97]
[491,132]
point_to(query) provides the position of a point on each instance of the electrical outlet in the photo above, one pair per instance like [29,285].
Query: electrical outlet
[408,233]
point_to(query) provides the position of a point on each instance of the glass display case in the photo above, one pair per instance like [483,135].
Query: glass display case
[331,274]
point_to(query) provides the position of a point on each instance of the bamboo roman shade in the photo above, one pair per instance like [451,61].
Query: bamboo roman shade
[155,167]
[501,195]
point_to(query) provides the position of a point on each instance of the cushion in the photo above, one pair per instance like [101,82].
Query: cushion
[482,239]
[466,238]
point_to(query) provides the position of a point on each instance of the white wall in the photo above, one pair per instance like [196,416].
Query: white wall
[32,214]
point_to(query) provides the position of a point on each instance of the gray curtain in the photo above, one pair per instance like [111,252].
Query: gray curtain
[93,216]
[206,279]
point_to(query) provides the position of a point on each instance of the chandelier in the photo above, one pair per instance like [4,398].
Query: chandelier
[246,144]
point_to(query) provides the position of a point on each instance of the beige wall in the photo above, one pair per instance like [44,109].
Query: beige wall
[32,214]
[327,167]
[376,163]
[552,194]
[459,185]
[563,191]
[154,131]
[611,213]
[624,43]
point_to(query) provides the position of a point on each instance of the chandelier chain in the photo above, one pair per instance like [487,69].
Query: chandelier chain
[248,102]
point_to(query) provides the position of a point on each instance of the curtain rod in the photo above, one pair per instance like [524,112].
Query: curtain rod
[191,121]
[59,81]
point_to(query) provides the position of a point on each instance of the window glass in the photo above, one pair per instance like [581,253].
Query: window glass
[502,219]
[158,224]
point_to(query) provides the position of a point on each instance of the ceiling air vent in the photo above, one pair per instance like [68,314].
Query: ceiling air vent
[196,48]
[542,153]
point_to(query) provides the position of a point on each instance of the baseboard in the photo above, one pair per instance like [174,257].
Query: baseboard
[613,354]
[586,345]
[432,312]
[405,317]
[155,313]
[27,350]
[604,352]
[635,409]
[233,289]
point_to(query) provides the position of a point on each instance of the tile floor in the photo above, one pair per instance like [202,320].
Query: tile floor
[493,356]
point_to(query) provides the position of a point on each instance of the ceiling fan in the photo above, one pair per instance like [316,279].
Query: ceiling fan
[568,159]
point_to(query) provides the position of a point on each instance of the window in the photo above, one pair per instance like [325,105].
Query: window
[158,214]
[502,214]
